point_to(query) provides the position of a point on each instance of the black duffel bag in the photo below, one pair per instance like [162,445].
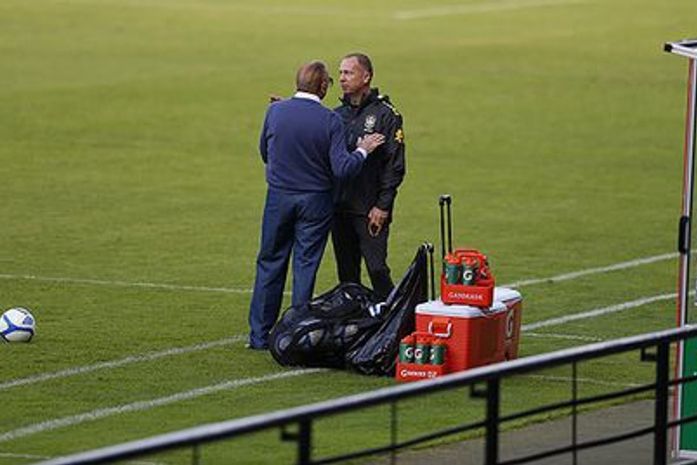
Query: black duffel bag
[318,333]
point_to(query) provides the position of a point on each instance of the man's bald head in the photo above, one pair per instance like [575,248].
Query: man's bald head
[313,77]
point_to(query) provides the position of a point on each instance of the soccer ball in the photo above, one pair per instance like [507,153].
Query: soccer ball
[17,325]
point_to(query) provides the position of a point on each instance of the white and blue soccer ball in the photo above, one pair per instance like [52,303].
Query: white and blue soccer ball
[17,325]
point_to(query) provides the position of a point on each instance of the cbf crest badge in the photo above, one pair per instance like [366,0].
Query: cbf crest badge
[369,125]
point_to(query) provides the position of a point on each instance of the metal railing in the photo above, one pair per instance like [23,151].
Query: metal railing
[296,424]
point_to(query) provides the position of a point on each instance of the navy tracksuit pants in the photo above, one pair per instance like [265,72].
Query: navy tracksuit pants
[293,223]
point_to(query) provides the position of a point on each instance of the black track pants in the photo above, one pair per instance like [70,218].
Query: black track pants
[352,242]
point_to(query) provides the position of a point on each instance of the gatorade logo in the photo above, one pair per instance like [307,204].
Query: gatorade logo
[418,353]
[465,295]
[468,275]
[404,373]
[409,352]
[510,324]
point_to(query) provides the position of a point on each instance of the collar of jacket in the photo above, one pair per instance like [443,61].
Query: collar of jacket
[370,98]
[307,96]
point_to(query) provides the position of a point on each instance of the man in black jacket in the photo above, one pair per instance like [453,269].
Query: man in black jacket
[364,212]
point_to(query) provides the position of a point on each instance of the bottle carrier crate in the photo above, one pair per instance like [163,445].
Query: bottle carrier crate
[466,278]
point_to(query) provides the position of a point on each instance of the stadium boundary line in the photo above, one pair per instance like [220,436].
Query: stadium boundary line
[98,414]
[239,290]
[470,8]
[109,364]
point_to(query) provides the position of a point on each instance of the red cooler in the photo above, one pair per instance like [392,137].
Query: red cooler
[474,336]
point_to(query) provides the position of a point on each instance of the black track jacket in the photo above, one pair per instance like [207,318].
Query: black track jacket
[384,169]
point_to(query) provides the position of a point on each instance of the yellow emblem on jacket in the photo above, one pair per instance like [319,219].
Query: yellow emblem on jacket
[399,136]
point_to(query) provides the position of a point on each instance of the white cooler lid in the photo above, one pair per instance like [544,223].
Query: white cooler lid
[503,294]
[438,308]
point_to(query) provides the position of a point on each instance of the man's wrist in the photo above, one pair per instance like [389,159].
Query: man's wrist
[362,151]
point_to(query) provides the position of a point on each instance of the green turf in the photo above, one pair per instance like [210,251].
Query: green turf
[128,155]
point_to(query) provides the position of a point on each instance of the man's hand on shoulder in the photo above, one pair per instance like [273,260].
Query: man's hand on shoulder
[370,142]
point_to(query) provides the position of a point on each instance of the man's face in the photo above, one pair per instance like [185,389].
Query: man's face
[327,82]
[352,77]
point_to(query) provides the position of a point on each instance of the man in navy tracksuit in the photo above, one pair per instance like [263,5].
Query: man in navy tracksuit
[302,144]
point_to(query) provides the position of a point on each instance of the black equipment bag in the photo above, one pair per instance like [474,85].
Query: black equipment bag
[376,352]
[318,333]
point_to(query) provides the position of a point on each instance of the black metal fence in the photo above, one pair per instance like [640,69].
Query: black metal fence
[296,424]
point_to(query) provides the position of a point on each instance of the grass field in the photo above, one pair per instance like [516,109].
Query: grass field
[131,194]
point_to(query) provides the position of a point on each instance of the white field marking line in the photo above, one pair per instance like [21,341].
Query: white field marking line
[11,455]
[599,311]
[225,7]
[100,282]
[109,364]
[582,380]
[591,271]
[234,290]
[479,8]
[573,337]
[56,423]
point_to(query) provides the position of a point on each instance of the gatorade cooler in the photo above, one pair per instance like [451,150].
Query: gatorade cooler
[474,336]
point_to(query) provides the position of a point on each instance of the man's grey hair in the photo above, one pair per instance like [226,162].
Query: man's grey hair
[311,76]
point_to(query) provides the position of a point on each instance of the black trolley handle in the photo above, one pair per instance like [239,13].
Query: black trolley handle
[429,249]
[444,202]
